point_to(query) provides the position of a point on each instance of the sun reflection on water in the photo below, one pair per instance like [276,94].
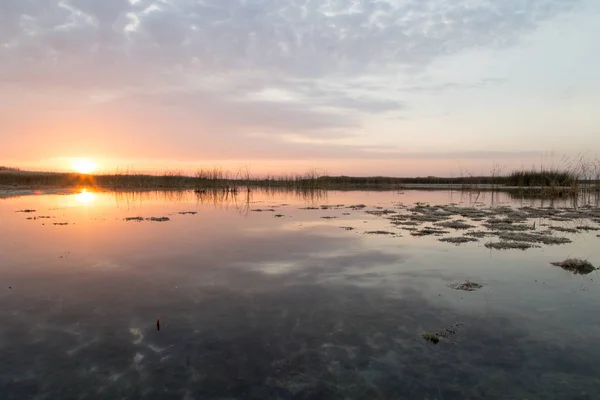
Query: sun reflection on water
[85,197]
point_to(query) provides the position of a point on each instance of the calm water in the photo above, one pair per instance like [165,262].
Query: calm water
[284,304]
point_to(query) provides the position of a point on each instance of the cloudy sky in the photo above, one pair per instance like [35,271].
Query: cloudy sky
[361,87]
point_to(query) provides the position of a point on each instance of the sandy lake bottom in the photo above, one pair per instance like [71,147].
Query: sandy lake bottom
[284,295]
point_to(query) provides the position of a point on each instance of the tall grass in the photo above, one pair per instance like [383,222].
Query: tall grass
[568,178]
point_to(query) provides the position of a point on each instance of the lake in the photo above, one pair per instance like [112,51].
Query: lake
[297,295]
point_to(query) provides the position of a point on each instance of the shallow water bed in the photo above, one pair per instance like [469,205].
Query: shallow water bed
[286,305]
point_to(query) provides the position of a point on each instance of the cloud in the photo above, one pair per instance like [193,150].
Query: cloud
[293,38]
[240,76]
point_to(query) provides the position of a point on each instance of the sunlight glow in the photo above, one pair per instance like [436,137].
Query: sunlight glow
[85,197]
[83,165]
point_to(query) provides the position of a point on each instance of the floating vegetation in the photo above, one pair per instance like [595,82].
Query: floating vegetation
[328,217]
[429,231]
[588,228]
[158,219]
[563,229]
[466,286]
[308,208]
[379,233]
[507,227]
[426,218]
[381,212]
[454,225]
[533,238]
[405,223]
[560,219]
[26,211]
[188,212]
[443,334]
[357,206]
[265,210]
[432,337]
[136,219]
[575,265]
[347,228]
[510,245]
[279,215]
[466,212]
[61,223]
[459,239]
[495,220]
[480,234]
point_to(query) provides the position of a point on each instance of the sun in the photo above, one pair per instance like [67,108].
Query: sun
[84,165]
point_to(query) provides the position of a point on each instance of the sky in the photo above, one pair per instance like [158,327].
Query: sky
[343,87]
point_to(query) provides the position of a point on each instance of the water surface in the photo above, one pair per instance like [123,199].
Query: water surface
[285,295]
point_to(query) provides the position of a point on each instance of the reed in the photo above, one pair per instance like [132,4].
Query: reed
[569,178]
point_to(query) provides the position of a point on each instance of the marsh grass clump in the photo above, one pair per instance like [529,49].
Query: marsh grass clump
[480,234]
[575,265]
[429,231]
[188,213]
[26,211]
[427,218]
[587,228]
[404,223]
[454,225]
[533,238]
[507,227]
[279,215]
[432,337]
[356,206]
[381,212]
[442,334]
[510,245]
[347,228]
[466,286]
[379,233]
[466,212]
[136,219]
[459,240]
[158,219]
[563,229]
[495,220]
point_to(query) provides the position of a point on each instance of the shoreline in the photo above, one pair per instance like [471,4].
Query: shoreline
[7,191]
